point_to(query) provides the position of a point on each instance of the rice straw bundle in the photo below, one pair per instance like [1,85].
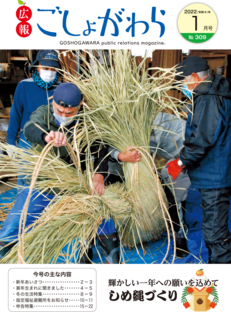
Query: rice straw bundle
[122,101]
[72,220]
[72,215]
[120,107]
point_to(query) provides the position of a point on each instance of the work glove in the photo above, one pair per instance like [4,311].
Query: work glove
[174,169]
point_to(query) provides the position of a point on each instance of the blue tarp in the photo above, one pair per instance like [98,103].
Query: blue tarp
[155,251]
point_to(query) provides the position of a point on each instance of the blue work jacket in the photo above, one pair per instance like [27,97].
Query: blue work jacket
[207,145]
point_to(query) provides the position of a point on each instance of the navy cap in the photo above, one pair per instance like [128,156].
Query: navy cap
[191,64]
[67,95]
[46,58]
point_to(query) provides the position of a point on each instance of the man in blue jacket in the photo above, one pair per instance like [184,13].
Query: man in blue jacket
[32,93]
[207,152]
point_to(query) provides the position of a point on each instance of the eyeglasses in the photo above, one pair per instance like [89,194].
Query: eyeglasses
[64,104]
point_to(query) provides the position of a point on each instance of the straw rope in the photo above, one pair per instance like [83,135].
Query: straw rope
[22,221]
[162,205]
[35,174]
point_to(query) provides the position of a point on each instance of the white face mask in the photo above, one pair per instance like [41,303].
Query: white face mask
[47,75]
[65,121]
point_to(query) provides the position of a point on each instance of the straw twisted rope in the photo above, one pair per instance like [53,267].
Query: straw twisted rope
[22,221]
[36,171]
[162,205]
[37,168]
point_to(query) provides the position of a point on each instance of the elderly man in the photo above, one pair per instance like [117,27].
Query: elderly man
[207,152]
[30,94]
[66,105]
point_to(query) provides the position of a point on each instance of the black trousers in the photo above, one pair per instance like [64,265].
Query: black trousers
[215,204]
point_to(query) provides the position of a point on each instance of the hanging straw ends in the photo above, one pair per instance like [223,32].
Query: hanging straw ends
[10,164]
[66,224]
[133,223]
[148,219]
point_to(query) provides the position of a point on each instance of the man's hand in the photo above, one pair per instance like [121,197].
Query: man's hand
[98,184]
[130,155]
[59,137]
[174,169]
